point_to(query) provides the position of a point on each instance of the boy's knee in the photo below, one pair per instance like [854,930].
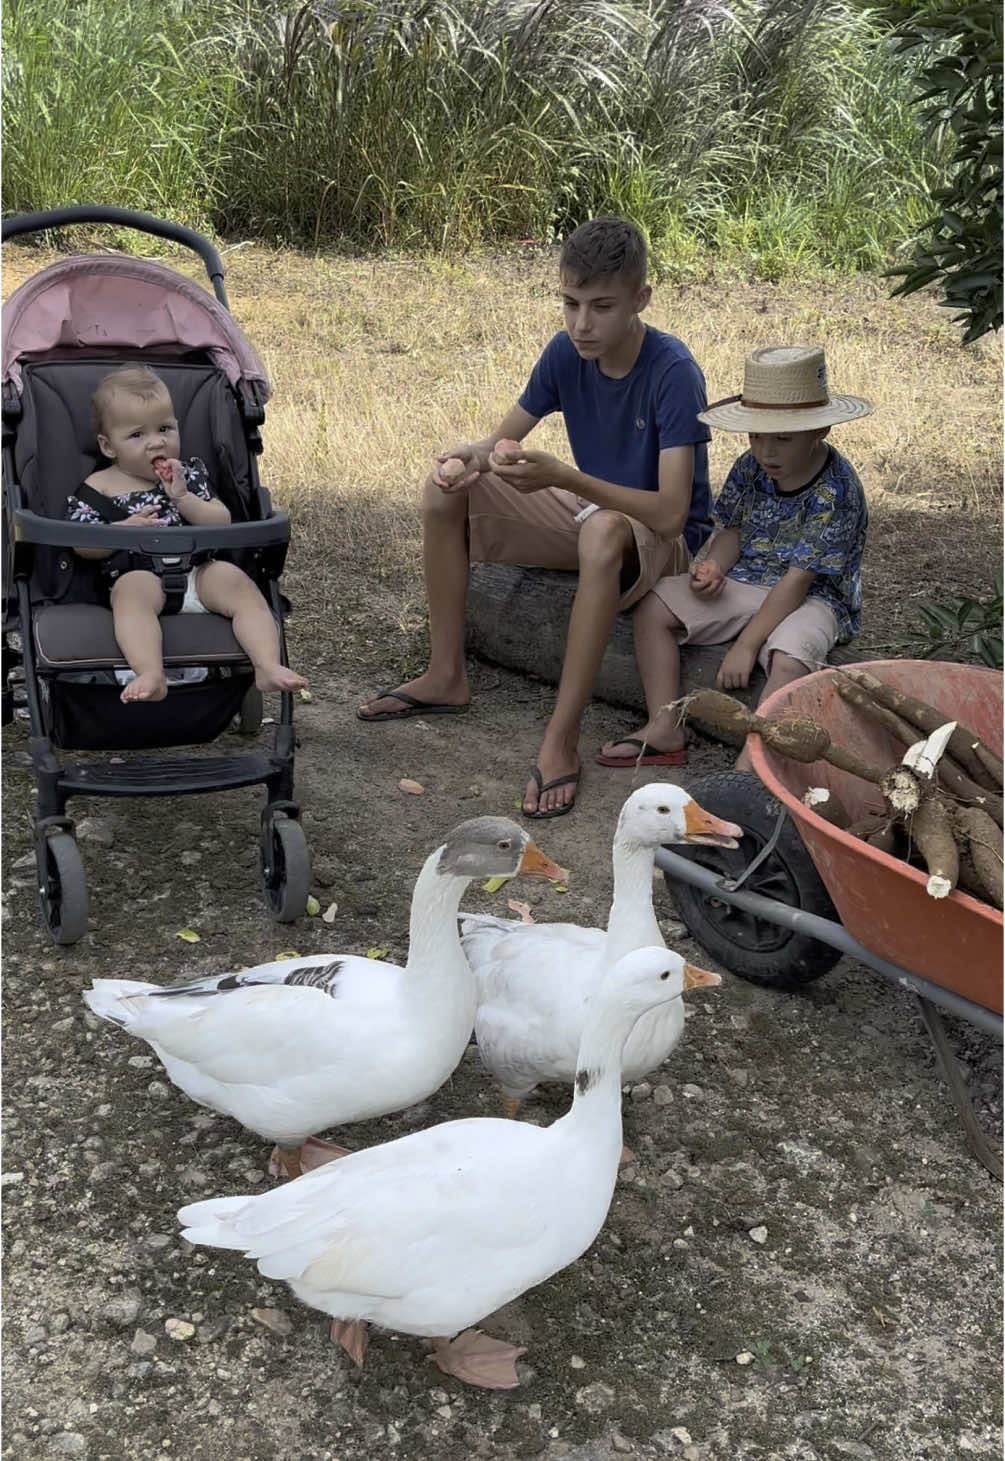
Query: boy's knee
[651,613]
[604,539]
[444,505]
[785,667]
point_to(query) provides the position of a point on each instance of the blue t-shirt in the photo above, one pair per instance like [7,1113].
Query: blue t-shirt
[617,428]
[820,528]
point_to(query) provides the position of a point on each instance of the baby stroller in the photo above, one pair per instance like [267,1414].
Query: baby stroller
[62,331]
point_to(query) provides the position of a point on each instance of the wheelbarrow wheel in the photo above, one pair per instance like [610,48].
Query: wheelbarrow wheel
[755,948]
[62,887]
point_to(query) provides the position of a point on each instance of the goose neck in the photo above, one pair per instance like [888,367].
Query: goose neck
[433,938]
[631,921]
[597,1096]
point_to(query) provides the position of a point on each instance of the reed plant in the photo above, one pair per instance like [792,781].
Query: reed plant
[782,131]
[114,103]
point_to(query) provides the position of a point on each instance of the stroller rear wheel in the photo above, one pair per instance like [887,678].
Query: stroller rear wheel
[249,718]
[285,866]
[62,887]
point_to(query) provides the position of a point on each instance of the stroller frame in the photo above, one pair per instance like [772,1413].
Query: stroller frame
[284,863]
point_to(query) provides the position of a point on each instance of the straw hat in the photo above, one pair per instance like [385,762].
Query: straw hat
[784,389]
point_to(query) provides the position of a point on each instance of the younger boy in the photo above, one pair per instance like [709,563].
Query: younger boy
[630,397]
[781,574]
[146,483]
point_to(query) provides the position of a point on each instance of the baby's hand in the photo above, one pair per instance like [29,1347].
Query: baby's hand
[172,477]
[141,515]
[707,579]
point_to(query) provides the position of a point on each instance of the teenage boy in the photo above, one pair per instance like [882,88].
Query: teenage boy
[635,505]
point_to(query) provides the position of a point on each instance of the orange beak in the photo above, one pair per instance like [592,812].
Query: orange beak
[695,978]
[702,826]
[534,864]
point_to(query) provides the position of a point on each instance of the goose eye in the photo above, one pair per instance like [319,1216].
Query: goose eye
[663,811]
[504,844]
[665,974]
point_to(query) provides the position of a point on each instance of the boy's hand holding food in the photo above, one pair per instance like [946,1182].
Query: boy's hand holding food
[527,471]
[456,467]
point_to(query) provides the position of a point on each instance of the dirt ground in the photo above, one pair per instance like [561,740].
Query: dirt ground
[802,1261]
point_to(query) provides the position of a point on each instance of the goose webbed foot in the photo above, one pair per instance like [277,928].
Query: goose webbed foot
[287,1165]
[353,1336]
[477,1359]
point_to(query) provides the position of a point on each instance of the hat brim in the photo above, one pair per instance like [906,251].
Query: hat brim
[732,416]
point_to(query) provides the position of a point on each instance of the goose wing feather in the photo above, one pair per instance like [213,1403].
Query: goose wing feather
[534,983]
[260,1029]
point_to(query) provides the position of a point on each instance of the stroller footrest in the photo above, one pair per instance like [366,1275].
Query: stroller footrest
[170,776]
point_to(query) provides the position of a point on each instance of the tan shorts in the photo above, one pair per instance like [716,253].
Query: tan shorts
[808,634]
[539,530]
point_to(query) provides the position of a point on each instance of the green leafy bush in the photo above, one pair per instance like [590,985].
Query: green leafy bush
[956,627]
[960,95]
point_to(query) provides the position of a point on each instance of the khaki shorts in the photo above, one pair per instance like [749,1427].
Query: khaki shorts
[539,530]
[808,634]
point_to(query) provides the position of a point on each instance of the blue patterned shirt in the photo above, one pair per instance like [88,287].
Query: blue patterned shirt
[820,528]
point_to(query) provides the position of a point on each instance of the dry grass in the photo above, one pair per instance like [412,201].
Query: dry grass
[376,364]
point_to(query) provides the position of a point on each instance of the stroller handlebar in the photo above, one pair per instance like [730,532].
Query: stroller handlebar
[144,222]
[30,527]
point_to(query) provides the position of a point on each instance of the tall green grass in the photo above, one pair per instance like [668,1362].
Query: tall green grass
[781,131]
[114,103]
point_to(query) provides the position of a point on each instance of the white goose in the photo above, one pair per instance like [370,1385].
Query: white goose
[294,1047]
[429,1233]
[534,979]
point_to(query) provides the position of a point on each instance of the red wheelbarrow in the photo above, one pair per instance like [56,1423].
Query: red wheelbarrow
[799,893]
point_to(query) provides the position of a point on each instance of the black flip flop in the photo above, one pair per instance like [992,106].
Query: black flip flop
[410,706]
[543,786]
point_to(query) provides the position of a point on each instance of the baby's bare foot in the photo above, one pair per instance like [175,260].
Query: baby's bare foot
[279,677]
[151,685]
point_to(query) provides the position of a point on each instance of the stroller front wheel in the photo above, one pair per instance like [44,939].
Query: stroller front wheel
[285,867]
[62,887]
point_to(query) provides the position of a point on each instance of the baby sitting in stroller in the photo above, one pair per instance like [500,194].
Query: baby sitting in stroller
[136,429]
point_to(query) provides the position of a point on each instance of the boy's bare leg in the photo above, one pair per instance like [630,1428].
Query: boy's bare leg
[604,540]
[782,670]
[224,589]
[445,560]
[137,598]
[658,656]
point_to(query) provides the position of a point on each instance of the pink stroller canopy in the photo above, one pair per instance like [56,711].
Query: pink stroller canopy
[111,301]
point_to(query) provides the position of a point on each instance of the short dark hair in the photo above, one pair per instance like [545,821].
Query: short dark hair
[602,247]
